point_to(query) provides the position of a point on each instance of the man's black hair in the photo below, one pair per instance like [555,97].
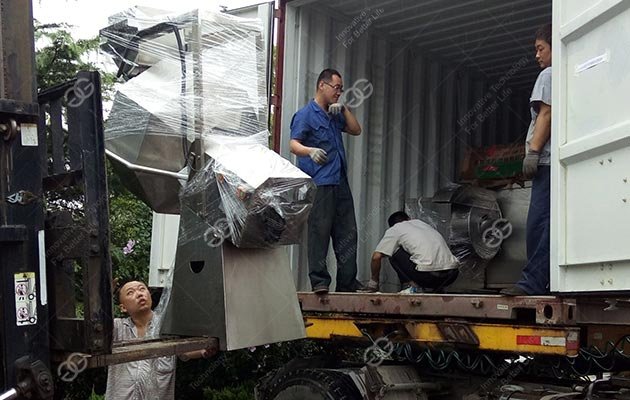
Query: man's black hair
[544,33]
[326,76]
[398,216]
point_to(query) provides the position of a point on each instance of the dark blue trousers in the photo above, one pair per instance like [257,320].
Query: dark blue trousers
[333,217]
[535,276]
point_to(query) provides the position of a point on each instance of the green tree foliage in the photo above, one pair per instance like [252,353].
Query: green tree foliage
[59,57]
[130,222]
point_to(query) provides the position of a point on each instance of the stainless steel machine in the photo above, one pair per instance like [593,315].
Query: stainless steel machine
[485,230]
[188,131]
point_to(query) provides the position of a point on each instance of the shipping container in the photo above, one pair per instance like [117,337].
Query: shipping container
[430,79]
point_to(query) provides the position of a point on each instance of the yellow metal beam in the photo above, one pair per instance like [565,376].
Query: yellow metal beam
[491,337]
[328,328]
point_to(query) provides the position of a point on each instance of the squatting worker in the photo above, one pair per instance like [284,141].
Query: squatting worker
[418,254]
[535,275]
[317,142]
[144,379]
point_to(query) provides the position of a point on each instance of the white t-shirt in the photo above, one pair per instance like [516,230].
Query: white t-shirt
[427,247]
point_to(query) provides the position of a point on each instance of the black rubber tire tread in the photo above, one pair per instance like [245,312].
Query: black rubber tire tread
[313,384]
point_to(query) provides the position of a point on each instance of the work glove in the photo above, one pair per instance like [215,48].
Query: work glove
[318,155]
[336,108]
[530,164]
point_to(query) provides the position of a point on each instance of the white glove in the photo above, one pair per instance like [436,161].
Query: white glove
[336,108]
[318,155]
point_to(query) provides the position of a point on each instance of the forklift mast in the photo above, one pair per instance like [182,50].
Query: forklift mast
[52,143]
[23,295]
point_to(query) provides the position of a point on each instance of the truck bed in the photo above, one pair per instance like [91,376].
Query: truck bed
[523,324]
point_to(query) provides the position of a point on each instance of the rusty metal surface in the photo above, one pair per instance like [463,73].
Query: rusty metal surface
[543,309]
[614,311]
[17,52]
[143,350]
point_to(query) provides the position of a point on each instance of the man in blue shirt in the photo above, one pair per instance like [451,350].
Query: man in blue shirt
[316,141]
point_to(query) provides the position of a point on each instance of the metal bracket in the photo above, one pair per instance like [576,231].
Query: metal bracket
[12,114]
[34,380]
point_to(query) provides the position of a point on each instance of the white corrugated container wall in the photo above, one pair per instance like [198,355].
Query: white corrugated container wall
[414,134]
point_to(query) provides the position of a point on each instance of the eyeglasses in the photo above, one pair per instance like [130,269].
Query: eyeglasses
[337,88]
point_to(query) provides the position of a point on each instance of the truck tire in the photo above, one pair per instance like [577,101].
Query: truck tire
[312,384]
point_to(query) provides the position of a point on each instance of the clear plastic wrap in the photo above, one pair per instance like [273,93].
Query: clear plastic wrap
[470,220]
[196,72]
[248,194]
[183,75]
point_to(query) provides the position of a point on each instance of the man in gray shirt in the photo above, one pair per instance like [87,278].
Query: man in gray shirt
[535,275]
[152,379]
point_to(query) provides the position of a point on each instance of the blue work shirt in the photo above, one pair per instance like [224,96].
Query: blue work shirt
[313,127]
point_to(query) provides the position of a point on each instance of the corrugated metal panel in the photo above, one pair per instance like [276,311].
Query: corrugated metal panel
[424,110]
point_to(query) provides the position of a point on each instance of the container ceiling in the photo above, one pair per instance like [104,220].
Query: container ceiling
[489,36]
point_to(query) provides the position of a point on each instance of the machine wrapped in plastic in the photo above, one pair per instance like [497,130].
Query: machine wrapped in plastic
[193,80]
[188,134]
[249,194]
[470,220]
[185,75]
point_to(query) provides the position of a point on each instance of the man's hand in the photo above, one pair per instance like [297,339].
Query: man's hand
[336,108]
[209,352]
[318,155]
[530,164]
[205,353]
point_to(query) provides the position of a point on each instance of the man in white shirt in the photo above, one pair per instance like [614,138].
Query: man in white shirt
[150,379]
[418,254]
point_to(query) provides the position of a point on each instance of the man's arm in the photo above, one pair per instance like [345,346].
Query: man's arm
[542,133]
[352,125]
[375,266]
[205,353]
[318,155]
[542,128]
[298,148]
